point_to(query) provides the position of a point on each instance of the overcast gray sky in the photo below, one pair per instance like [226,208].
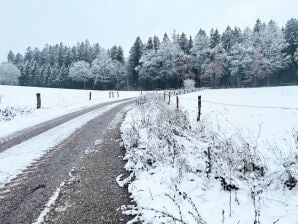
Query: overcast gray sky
[37,22]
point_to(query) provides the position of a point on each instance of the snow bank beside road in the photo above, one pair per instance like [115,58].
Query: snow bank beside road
[156,140]
[18,104]
[185,172]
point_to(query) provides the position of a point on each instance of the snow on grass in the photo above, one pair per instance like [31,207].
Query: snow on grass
[238,165]
[18,104]
[155,158]
[272,121]
[15,159]
[266,119]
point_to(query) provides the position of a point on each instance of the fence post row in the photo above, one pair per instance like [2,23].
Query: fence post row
[38,98]
[199,108]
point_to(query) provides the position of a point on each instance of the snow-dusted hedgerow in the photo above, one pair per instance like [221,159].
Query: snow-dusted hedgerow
[157,139]
[9,113]
[187,173]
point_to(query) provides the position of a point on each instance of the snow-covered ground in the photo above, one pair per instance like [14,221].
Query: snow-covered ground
[239,164]
[18,104]
[15,159]
[269,115]
[266,118]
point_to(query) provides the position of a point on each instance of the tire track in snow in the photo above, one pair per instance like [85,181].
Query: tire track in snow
[27,133]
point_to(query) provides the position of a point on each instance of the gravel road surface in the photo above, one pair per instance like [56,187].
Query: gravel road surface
[25,134]
[24,198]
[93,195]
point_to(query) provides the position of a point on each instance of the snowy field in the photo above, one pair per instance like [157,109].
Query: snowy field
[239,164]
[18,104]
[266,116]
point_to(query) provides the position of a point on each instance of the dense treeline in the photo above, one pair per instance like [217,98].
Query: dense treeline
[262,55]
[50,67]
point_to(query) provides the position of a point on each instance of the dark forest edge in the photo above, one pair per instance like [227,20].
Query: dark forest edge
[265,55]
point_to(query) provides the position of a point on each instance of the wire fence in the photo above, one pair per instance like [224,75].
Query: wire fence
[245,106]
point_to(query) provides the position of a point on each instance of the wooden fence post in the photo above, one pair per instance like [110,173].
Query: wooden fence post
[38,98]
[90,96]
[118,94]
[169,98]
[164,96]
[177,102]
[199,108]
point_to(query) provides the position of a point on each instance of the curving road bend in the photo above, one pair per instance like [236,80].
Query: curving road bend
[25,134]
[24,199]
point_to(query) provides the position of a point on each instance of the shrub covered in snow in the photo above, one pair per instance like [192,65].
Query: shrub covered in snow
[156,138]
[8,113]
[180,171]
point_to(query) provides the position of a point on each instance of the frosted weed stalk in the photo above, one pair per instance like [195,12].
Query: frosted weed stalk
[155,140]
[161,144]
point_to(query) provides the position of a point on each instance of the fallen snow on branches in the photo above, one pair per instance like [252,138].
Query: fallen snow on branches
[187,172]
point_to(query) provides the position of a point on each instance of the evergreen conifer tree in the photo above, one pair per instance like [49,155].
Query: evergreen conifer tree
[214,38]
[149,45]
[156,43]
[135,55]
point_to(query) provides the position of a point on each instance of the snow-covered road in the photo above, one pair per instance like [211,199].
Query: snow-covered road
[30,172]
[30,132]
[15,159]
[18,104]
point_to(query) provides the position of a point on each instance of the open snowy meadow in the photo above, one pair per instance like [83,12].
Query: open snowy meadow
[268,117]
[238,164]
[18,111]
[18,104]
[267,120]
